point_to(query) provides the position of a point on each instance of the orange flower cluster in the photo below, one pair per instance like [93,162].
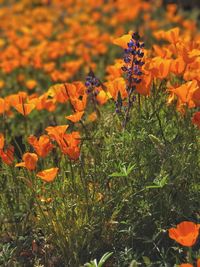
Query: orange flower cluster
[57,51]
[68,143]
[34,36]
[158,67]
[180,59]
[176,61]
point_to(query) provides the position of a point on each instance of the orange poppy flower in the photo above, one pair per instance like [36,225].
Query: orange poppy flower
[162,51]
[117,86]
[70,90]
[49,67]
[196,119]
[42,145]
[18,101]
[178,66]
[48,175]
[43,102]
[171,36]
[144,87]
[19,98]
[196,97]
[73,152]
[79,104]
[188,54]
[31,84]
[189,264]
[186,233]
[59,93]
[7,155]
[24,109]
[186,265]
[75,117]
[57,132]
[2,140]
[2,105]
[102,97]
[123,40]
[92,117]
[29,161]
[2,84]
[115,71]
[5,105]
[160,67]
[186,92]
[69,145]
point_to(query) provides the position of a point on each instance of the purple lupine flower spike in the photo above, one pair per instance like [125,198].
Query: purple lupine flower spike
[132,69]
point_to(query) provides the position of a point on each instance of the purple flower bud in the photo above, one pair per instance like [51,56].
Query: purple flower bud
[131,43]
[133,98]
[124,68]
[134,52]
[96,82]
[142,45]
[87,83]
[141,63]
[137,44]
[140,53]
[126,51]
[127,59]
[135,36]
[137,80]
[96,93]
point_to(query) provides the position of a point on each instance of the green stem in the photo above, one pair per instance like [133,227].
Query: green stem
[189,255]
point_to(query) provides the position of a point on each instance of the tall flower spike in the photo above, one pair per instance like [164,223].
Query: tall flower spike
[133,55]
[132,68]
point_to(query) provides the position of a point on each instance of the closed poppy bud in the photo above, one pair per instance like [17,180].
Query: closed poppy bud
[186,233]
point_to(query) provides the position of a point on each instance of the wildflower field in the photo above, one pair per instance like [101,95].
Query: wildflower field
[99,133]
